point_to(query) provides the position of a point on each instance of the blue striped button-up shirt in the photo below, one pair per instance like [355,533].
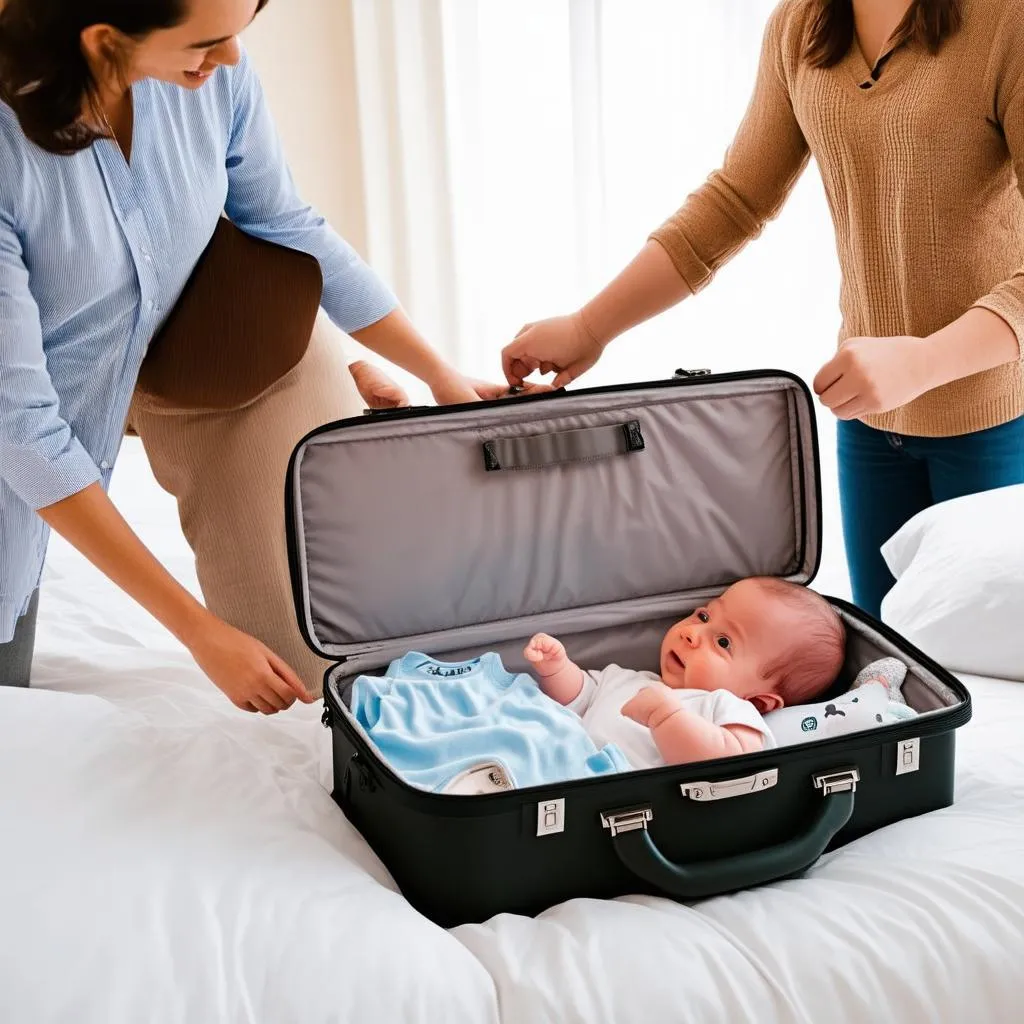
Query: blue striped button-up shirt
[94,252]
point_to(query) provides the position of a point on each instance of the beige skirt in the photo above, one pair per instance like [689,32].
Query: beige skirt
[227,470]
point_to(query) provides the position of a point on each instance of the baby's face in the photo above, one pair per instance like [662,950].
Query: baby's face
[726,644]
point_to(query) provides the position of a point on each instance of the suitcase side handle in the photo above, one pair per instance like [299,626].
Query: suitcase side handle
[637,850]
[535,451]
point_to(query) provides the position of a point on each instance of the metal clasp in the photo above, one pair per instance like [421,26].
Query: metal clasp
[725,788]
[908,756]
[551,816]
[626,821]
[837,782]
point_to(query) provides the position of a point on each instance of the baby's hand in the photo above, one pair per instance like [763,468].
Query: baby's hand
[650,707]
[545,652]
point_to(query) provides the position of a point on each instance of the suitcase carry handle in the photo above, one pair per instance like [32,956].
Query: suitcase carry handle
[638,852]
[535,451]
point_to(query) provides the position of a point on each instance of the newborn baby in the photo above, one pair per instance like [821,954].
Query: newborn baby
[763,645]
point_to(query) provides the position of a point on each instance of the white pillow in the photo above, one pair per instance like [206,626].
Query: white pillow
[959,593]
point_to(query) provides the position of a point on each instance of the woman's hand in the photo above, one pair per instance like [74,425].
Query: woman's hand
[561,345]
[251,676]
[376,388]
[395,338]
[379,391]
[452,387]
[492,392]
[873,375]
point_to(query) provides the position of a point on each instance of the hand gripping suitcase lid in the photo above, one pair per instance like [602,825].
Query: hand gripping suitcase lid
[563,511]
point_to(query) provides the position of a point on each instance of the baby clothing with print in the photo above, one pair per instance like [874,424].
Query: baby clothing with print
[472,727]
[599,706]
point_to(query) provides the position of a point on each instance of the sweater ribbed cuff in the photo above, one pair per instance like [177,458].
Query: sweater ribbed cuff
[692,269]
[1007,307]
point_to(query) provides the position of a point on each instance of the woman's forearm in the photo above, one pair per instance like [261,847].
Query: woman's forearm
[89,522]
[648,286]
[396,339]
[977,341]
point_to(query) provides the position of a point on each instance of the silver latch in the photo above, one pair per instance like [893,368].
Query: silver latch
[550,817]
[837,782]
[908,756]
[626,821]
[726,788]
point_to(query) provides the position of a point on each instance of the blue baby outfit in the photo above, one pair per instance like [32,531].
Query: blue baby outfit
[434,720]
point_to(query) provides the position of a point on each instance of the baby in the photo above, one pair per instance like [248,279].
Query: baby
[763,645]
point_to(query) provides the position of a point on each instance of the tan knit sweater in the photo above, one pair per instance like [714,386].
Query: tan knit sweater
[919,170]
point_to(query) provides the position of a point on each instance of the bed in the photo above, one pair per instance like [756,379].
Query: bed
[165,858]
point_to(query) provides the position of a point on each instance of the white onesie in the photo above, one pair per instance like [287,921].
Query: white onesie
[600,703]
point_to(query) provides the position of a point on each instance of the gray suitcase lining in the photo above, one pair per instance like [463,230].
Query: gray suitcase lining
[599,543]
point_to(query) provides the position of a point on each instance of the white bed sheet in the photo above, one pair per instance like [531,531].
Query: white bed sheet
[919,922]
[164,858]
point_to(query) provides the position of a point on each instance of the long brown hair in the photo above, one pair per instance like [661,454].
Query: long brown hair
[44,76]
[831,34]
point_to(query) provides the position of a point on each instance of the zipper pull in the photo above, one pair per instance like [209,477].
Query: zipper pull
[692,373]
[326,718]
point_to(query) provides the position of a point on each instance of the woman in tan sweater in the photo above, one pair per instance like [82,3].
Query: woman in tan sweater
[914,113]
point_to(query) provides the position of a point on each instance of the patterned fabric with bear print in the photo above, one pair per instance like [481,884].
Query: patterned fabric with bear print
[874,699]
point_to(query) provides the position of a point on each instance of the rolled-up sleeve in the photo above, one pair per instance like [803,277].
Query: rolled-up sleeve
[40,458]
[262,199]
[764,162]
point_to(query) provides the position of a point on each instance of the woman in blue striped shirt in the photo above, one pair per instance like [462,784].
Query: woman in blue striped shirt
[127,128]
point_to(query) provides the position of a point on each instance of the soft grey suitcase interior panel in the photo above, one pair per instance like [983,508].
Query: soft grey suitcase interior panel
[407,540]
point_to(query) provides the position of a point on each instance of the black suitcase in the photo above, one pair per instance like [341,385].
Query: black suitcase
[600,515]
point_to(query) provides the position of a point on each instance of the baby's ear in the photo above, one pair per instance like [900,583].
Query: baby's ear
[766,702]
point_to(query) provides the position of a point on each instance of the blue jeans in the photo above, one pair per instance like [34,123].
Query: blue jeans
[886,479]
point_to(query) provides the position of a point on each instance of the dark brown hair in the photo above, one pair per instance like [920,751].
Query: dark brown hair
[44,75]
[814,654]
[831,32]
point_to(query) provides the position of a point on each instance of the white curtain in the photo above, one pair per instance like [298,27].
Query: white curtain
[518,152]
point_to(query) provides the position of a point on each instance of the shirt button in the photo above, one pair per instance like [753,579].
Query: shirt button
[104,465]
[147,257]
[151,305]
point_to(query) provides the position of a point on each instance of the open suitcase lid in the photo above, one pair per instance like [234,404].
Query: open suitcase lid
[555,512]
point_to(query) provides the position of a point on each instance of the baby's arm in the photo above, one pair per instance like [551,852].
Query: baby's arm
[560,678]
[681,736]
